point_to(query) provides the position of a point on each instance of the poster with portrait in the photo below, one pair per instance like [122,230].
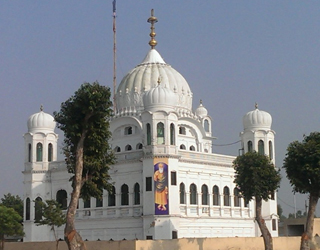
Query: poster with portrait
[160,178]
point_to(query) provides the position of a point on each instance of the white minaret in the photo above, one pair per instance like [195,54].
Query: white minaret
[40,149]
[258,136]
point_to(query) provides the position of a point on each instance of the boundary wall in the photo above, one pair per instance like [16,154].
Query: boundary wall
[234,243]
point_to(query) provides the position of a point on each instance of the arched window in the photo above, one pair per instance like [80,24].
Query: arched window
[249,146]
[50,152]
[39,151]
[139,146]
[193,194]
[216,196]
[274,224]
[38,209]
[172,135]
[87,203]
[226,196]
[272,194]
[61,198]
[206,125]
[160,133]
[112,197]
[117,149]
[28,209]
[124,195]
[136,194]
[182,193]
[99,202]
[148,134]
[246,203]
[261,147]
[182,146]
[236,197]
[29,153]
[128,148]
[192,148]
[270,150]
[128,130]
[182,130]
[204,190]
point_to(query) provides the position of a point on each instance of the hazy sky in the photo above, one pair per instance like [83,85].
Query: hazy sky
[232,53]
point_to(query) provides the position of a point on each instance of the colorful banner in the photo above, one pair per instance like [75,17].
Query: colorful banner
[160,178]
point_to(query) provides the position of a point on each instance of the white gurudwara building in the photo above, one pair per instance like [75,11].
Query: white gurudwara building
[167,183]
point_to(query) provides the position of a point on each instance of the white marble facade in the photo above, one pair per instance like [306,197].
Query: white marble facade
[154,122]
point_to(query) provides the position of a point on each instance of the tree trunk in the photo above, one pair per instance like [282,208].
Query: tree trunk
[55,236]
[71,236]
[2,242]
[57,244]
[307,236]
[267,239]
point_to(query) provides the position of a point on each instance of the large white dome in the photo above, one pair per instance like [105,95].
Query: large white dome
[145,77]
[41,122]
[257,119]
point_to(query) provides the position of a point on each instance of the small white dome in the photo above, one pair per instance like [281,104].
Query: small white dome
[41,122]
[201,111]
[159,97]
[144,77]
[257,119]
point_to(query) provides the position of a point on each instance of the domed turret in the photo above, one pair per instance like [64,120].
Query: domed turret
[41,122]
[257,119]
[201,111]
[159,97]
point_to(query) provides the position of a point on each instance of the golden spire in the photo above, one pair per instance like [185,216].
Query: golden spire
[152,20]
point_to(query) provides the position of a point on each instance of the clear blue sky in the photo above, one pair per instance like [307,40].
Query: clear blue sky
[232,53]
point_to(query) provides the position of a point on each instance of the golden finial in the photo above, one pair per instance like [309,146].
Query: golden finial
[152,20]
[200,101]
[41,107]
[159,80]
[256,105]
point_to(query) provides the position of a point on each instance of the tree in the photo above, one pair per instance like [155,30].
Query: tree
[84,119]
[52,216]
[298,214]
[14,202]
[256,177]
[302,165]
[280,213]
[10,224]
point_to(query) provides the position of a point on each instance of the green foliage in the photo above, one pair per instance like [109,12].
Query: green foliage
[52,214]
[86,115]
[14,202]
[299,214]
[10,222]
[302,164]
[280,213]
[255,176]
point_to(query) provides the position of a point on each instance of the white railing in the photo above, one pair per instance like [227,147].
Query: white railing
[108,212]
[214,211]
[129,156]
[215,158]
